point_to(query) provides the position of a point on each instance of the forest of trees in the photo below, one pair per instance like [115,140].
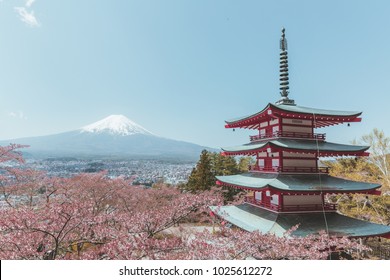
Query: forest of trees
[91,216]
[373,169]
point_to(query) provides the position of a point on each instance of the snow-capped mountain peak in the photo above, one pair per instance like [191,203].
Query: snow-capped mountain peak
[116,125]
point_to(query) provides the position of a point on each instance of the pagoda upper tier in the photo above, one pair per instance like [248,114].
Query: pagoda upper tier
[317,117]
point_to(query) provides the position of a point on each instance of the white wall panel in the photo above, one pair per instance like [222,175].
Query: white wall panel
[301,199]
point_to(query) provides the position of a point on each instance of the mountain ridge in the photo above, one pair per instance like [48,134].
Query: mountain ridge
[114,136]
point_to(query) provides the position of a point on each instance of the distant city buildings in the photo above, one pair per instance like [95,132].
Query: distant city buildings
[142,172]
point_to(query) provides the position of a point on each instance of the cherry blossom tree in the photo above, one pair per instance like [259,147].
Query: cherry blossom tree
[61,219]
[230,244]
[8,154]
[11,153]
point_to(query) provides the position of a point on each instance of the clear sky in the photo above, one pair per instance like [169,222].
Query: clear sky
[180,68]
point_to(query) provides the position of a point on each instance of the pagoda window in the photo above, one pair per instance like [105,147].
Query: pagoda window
[258,196]
[275,199]
[261,162]
[274,121]
[263,124]
[275,162]
[273,154]
[262,154]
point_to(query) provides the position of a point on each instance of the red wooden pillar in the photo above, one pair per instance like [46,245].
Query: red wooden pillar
[281,160]
[312,125]
[280,202]
[280,126]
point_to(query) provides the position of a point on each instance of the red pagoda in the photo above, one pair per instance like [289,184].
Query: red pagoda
[286,186]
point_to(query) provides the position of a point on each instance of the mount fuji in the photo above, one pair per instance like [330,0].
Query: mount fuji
[116,125]
[115,136]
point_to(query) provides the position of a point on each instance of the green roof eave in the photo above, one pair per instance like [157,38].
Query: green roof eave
[297,144]
[296,182]
[248,116]
[315,111]
[298,110]
[245,148]
[242,217]
[251,218]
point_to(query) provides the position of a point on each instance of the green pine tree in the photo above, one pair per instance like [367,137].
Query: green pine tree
[244,162]
[210,165]
[223,165]
[201,178]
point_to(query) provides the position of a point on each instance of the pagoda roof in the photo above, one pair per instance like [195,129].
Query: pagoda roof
[324,148]
[296,182]
[321,117]
[251,218]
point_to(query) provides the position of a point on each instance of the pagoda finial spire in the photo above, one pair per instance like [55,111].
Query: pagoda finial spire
[284,88]
[283,40]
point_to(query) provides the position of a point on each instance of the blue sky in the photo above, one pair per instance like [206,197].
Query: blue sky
[180,68]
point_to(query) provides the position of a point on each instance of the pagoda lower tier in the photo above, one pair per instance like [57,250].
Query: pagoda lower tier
[252,218]
[275,202]
[285,193]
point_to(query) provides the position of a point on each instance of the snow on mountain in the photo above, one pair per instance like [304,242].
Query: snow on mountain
[116,125]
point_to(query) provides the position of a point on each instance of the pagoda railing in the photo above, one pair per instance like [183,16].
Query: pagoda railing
[287,134]
[309,207]
[289,169]
[292,208]
[268,205]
